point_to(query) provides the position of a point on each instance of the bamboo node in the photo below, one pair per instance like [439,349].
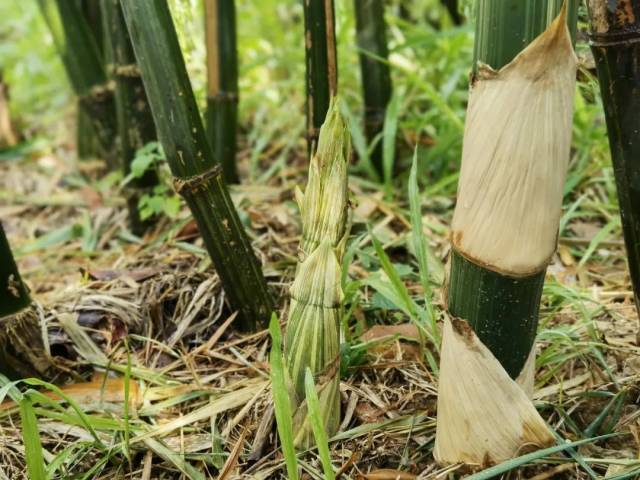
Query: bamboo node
[224,96]
[190,185]
[127,71]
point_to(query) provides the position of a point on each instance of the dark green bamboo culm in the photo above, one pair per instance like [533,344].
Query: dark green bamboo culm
[322,67]
[376,77]
[197,177]
[503,310]
[222,83]
[22,353]
[134,119]
[85,68]
[14,295]
[615,42]
[86,141]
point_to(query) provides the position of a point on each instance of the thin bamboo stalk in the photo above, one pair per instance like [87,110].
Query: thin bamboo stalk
[312,339]
[87,145]
[134,119]
[615,42]
[14,295]
[222,83]
[503,309]
[197,178]
[85,68]
[321,61]
[376,77]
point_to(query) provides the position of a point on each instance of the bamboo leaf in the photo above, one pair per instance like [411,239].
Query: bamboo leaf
[389,142]
[531,457]
[31,439]
[281,402]
[319,432]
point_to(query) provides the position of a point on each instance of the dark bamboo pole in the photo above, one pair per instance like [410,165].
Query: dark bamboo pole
[454,11]
[503,310]
[134,119]
[14,295]
[86,142]
[197,178]
[615,42]
[321,59]
[84,66]
[376,77]
[222,83]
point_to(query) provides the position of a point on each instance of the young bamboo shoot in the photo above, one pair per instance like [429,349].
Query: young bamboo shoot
[312,338]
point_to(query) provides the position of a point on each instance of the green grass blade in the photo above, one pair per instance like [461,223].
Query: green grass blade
[317,425]
[31,439]
[530,457]
[281,403]
[419,245]
[389,142]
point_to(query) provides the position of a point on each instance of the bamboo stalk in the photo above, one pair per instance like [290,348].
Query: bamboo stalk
[503,309]
[222,83]
[505,28]
[14,295]
[321,60]
[615,42]
[197,178]
[84,66]
[312,338]
[504,232]
[21,348]
[87,145]
[376,77]
[134,119]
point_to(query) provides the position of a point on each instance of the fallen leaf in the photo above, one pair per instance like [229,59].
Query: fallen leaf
[405,330]
[387,474]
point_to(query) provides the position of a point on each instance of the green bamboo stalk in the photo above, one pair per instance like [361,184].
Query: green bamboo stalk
[222,83]
[503,310]
[14,295]
[376,77]
[321,61]
[134,119]
[615,42]
[86,141]
[197,178]
[312,338]
[505,27]
[83,63]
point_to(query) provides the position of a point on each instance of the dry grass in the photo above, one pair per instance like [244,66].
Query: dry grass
[199,395]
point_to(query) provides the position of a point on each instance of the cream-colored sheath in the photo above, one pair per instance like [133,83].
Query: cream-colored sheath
[515,156]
